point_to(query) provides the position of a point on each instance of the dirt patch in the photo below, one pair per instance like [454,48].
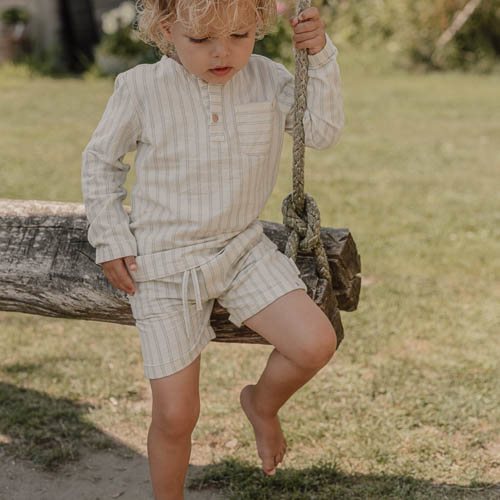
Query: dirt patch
[97,476]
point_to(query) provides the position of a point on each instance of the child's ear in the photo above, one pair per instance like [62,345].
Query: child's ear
[167,30]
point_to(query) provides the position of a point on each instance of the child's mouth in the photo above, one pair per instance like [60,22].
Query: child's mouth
[221,71]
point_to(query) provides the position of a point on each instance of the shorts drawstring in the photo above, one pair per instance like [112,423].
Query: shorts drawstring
[197,294]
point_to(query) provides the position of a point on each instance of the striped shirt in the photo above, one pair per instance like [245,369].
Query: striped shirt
[207,157]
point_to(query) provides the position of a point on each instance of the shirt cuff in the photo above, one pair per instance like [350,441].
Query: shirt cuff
[117,251]
[328,52]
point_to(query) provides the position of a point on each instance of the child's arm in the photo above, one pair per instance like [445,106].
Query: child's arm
[324,116]
[104,174]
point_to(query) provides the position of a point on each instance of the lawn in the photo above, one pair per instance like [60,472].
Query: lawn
[409,405]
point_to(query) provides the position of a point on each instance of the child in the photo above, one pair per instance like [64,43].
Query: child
[207,121]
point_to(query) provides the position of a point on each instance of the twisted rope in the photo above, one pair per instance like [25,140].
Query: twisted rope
[300,211]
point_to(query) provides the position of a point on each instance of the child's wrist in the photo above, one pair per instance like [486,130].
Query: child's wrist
[315,50]
[324,56]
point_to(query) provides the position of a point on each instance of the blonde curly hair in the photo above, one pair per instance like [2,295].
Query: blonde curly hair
[153,15]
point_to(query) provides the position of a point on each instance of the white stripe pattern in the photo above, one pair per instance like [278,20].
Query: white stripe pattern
[207,157]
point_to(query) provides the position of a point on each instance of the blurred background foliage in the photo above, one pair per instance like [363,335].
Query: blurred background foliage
[403,32]
[409,30]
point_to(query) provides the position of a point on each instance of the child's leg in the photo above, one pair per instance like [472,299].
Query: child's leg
[304,341]
[176,407]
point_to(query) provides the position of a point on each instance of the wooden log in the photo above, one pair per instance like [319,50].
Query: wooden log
[47,267]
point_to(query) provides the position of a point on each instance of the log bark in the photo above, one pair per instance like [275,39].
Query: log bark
[47,267]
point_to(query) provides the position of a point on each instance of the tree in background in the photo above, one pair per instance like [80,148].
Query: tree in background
[410,29]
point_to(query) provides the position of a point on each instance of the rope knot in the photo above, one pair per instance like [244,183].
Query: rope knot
[305,233]
[306,225]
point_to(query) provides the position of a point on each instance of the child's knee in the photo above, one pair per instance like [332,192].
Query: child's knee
[176,421]
[321,349]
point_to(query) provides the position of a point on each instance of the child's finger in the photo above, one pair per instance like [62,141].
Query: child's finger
[310,35]
[311,14]
[305,23]
[308,14]
[130,263]
[311,43]
[120,277]
[308,26]
[126,279]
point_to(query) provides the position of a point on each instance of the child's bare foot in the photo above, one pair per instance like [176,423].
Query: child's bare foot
[271,444]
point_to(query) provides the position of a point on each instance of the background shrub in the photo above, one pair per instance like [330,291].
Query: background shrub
[411,28]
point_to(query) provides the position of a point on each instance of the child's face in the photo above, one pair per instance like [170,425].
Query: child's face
[218,52]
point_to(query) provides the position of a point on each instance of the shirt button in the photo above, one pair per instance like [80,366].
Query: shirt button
[215,117]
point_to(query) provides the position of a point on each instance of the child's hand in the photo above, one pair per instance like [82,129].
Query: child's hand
[117,273]
[309,31]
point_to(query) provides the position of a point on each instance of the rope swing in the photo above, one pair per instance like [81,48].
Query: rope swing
[300,211]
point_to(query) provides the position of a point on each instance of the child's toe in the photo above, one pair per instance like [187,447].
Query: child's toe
[269,466]
[270,472]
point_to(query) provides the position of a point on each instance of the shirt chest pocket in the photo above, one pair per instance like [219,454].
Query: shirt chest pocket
[254,122]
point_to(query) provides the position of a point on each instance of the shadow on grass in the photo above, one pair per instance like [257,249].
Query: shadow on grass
[48,431]
[240,481]
[51,432]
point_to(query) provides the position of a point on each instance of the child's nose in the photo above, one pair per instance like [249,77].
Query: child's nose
[220,48]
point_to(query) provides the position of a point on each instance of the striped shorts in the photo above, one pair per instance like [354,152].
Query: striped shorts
[173,318]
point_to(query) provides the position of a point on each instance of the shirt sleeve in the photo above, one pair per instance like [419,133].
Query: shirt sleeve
[324,116]
[104,174]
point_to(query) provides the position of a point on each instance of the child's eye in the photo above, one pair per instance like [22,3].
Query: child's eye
[240,35]
[197,40]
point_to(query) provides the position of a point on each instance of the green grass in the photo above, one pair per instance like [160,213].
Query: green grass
[409,406]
